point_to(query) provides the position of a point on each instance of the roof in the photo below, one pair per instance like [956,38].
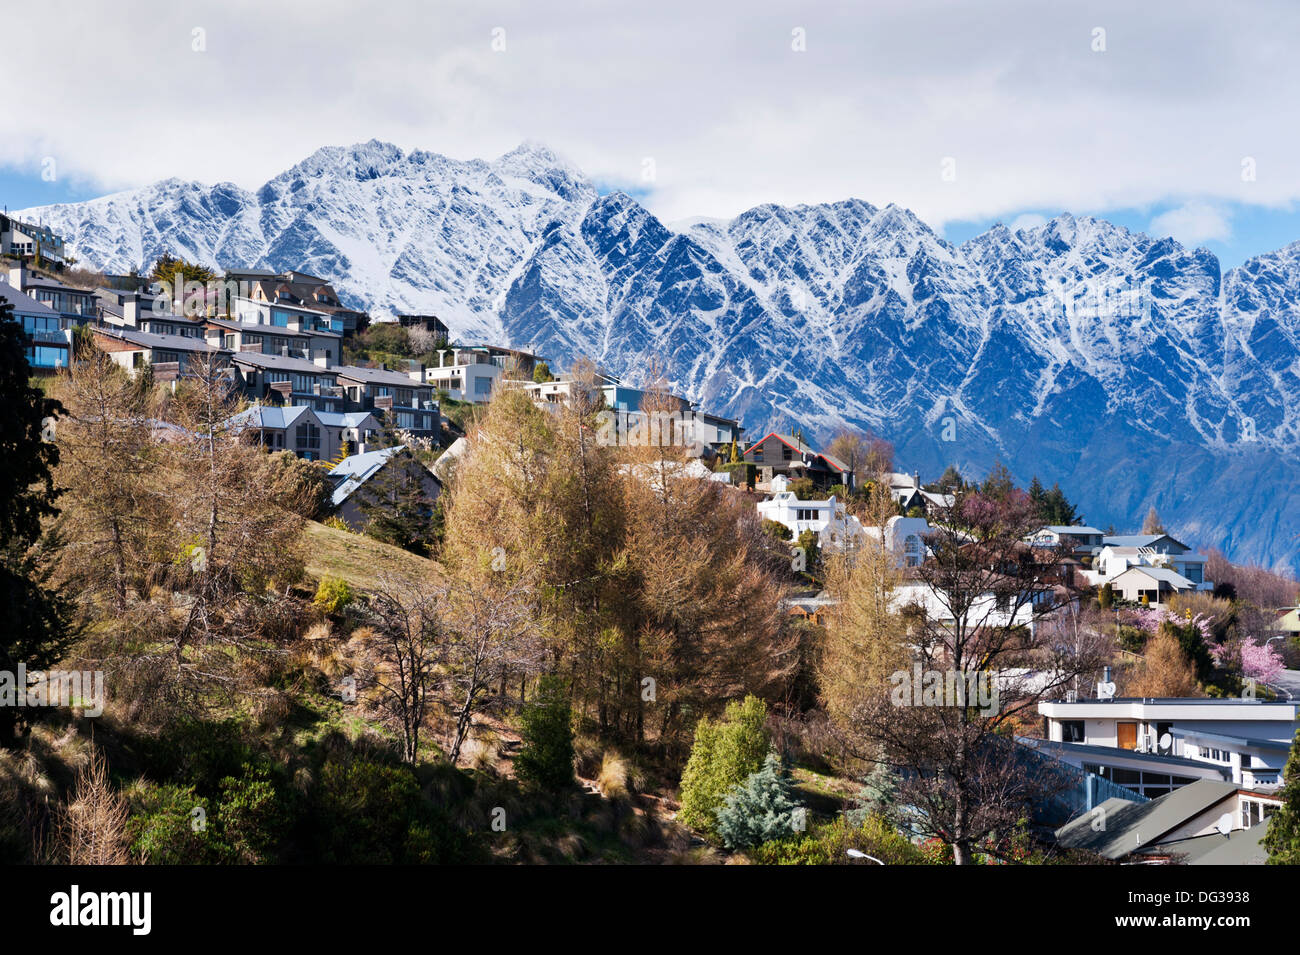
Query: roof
[263,328]
[343,419]
[1239,847]
[1131,826]
[268,417]
[1138,540]
[153,340]
[1255,741]
[1162,574]
[1109,753]
[24,304]
[281,362]
[356,469]
[378,376]
[1072,529]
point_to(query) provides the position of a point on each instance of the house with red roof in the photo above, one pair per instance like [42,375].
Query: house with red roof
[790,456]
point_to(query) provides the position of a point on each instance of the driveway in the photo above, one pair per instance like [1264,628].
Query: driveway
[1289,682]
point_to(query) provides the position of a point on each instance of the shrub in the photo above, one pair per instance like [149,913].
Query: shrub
[804,488]
[778,531]
[294,484]
[332,596]
[760,809]
[828,844]
[337,523]
[168,825]
[545,757]
[723,755]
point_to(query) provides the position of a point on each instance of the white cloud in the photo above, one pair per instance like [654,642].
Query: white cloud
[1028,220]
[1193,224]
[1011,90]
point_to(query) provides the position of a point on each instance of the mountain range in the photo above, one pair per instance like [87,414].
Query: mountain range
[1129,369]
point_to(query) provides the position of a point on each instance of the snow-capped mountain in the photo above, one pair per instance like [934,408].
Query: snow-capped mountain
[1125,367]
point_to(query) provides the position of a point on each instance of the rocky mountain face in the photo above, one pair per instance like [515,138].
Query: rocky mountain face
[1126,367]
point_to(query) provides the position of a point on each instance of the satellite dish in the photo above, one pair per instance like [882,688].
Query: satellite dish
[1224,824]
[1166,744]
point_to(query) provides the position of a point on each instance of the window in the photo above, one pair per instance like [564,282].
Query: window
[482,386]
[1072,731]
[308,436]
[787,452]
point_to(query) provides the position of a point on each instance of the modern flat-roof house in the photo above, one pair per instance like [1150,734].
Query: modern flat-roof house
[430,323]
[243,336]
[170,357]
[25,239]
[785,454]
[1112,560]
[274,379]
[49,341]
[79,306]
[466,375]
[380,391]
[1249,739]
[284,312]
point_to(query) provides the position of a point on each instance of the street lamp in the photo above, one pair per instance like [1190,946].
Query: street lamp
[855,854]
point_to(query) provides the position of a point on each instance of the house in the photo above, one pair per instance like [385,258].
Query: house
[1114,559]
[308,433]
[908,494]
[23,239]
[356,429]
[1166,829]
[49,339]
[1077,539]
[273,296]
[275,379]
[169,357]
[1153,586]
[835,528]
[1249,739]
[466,378]
[306,343]
[626,422]
[78,306]
[1288,620]
[782,454]
[430,323]
[382,391]
[353,474]
[284,311]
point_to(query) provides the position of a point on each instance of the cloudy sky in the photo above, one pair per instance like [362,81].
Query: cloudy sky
[1175,118]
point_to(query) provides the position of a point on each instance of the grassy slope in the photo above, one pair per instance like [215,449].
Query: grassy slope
[360,560]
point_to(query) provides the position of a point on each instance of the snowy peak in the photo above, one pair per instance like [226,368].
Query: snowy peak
[1126,367]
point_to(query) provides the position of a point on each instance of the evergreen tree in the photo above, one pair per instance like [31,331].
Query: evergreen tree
[35,632]
[395,505]
[760,809]
[950,481]
[1057,509]
[999,484]
[724,755]
[1283,837]
[545,757]
[1039,497]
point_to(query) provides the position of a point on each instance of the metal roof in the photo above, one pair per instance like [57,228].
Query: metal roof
[1130,826]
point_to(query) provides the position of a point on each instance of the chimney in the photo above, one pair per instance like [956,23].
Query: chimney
[321,358]
[18,277]
[916,479]
[131,310]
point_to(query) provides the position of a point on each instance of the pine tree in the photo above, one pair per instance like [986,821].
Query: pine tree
[1039,497]
[1283,837]
[395,505]
[999,483]
[1058,510]
[35,632]
[760,809]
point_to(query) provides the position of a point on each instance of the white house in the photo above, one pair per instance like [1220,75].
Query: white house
[1249,739]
